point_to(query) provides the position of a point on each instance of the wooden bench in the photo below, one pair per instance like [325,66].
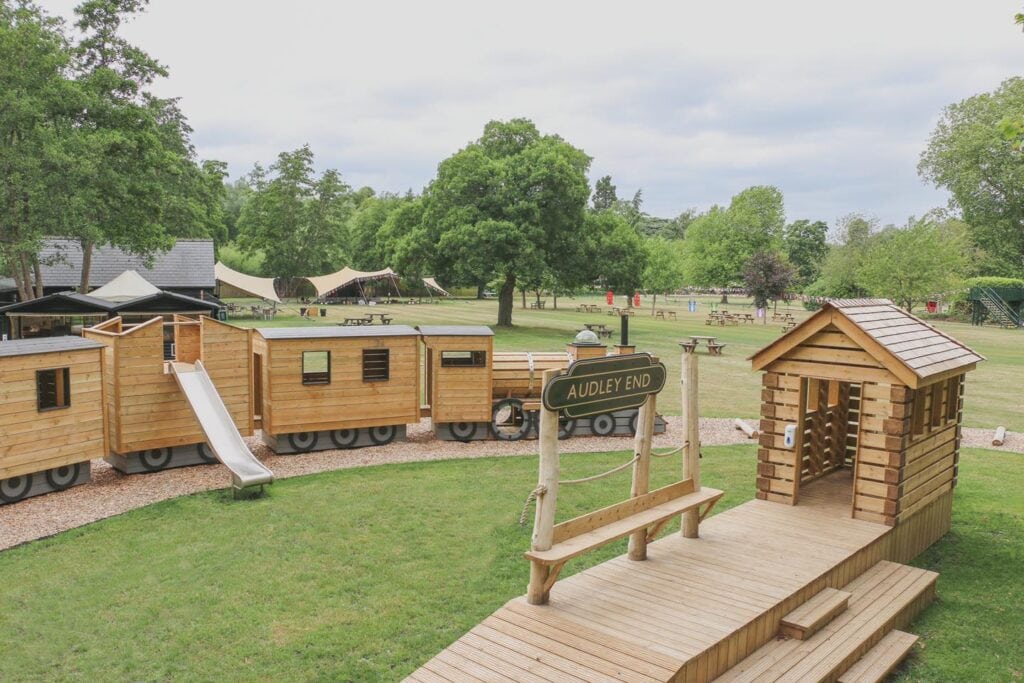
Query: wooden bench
[649,512]
[715,349]
[659,314]
[356,321]
[672,314]
[605,331]
[689,347]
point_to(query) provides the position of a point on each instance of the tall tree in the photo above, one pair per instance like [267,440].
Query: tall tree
[969,155]
[664,270]
[366,243]
[508,207]
[841,269]
[767,277]
[911,264]
[806,248]
[604,194]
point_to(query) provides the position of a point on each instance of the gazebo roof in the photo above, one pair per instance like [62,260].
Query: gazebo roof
[910,348]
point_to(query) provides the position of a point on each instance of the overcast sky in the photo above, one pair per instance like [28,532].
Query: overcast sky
[831,102]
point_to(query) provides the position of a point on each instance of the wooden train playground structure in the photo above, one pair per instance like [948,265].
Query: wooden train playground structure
[859,447]
[183,391]
[859,438]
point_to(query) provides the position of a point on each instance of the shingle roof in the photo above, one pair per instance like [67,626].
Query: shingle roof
[189,264]
[337,332]
[898,338]
[62,303]
[29,347]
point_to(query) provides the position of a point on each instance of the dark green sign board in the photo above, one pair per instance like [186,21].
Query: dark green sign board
[602,385]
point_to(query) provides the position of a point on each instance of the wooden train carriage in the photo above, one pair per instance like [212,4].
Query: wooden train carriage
[459,372]
[337,387]
[150,422]
[51,414]
[871,392]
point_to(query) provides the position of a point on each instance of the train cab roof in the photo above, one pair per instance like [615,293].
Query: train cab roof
[455,331]
[31,347]
[354,332]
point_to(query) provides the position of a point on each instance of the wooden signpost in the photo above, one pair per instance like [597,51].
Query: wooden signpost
[591,387]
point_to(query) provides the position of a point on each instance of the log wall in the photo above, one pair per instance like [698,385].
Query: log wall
[36,440]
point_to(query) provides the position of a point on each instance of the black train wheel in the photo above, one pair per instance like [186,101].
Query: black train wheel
[302,442]
[155,459]
[566,427]
[205,454]
[383,435]
[344,438]
[462,431]
[603,424]
[14,489]
[508,420]
[61,478]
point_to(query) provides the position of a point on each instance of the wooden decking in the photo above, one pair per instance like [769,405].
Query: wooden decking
[692,611]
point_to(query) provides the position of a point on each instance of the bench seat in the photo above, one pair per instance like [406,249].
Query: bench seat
[657,515]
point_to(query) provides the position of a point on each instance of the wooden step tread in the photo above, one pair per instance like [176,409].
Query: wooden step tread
[570,548]
[805,620]
[881,659]
[882,594]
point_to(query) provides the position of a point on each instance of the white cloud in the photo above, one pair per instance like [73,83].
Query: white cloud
[830,102]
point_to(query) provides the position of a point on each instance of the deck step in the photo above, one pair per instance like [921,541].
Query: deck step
[885,597]
[881,659]
[805,620]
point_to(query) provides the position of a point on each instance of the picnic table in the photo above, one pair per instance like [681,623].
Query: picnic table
[748,318]
[615,310]
[355,321]
[600,329]
[538,304]
[662,313]
[385,319]
[714,346]
[588,308]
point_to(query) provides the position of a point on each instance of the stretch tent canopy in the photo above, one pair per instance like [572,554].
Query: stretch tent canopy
[125,287]
[431,283]
[326,284]
[262,287]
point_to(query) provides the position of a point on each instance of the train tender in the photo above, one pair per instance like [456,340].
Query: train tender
[51,414]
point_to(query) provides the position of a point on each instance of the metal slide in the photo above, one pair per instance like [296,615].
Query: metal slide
[221,434]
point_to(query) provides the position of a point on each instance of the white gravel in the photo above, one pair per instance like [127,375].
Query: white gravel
[111,493]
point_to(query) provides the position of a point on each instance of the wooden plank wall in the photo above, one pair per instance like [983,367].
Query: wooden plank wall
[227,357]
[260,346]
[35,441]
[778,469]
[460,394]
[512,375]
[187,339]
[347,402]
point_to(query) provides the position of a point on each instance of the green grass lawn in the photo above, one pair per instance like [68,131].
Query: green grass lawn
[995,391]
[364,574]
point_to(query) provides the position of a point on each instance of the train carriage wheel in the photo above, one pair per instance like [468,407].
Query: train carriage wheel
[155,459]
[603,424]
[14,489]
[205,454]
[634,422]
[382,436]
[61,478]
[302,442]
[508,420]
[462,431]
[344,438]
[566,427]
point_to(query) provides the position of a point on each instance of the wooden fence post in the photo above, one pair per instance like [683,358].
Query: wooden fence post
[544,519]
[691,440]
[642,470]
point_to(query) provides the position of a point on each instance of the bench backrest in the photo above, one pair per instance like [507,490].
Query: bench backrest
[613,513]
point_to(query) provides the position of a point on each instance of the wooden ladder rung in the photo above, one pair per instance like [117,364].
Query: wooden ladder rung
[880,660]
[805,620]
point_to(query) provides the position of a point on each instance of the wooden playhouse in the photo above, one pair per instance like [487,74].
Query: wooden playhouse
[150,421]
[867,390]
[51,414]
[336,387]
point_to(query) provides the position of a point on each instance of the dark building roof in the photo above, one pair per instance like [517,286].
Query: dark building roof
[337,332]
[7,284]
[62,303]
[455,331]
[188,265]
[31,347]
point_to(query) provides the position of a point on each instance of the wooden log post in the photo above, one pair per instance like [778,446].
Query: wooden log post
[745,428]
[642,470]
[691,438]
[544,518]
[999,437]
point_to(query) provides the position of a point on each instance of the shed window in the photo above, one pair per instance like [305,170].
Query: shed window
[316,367]
[463,359]
[376,365]
[53,388]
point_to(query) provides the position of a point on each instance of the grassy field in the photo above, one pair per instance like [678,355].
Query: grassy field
[995,391]
[364,574]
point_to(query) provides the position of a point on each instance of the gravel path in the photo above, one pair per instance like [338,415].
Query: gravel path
[111,493]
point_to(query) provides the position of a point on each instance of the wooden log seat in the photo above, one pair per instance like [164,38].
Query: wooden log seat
[650,511]
[690,346]
[715,349]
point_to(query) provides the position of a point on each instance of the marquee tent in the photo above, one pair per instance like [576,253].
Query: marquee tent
[431,283]
[263,287]
[328,284]
[125,287]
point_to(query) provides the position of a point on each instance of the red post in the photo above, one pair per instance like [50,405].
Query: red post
[610,297]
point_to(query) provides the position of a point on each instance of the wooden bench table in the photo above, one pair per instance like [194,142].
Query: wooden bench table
[715,349]
[356,321]
[654,517]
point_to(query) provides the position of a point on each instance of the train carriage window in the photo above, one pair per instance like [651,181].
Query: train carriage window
[463,359]
[53,389]
[376,365]
[316,367]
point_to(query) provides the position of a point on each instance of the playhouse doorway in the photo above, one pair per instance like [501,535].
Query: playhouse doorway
[829,413]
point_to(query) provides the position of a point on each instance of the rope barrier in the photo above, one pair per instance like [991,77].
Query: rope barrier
[539,491]
[671,452]
[595,477]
